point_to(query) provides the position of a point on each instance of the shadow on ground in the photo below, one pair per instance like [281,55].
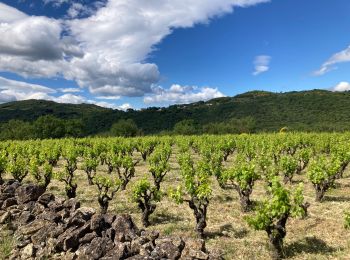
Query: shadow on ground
[225,230]
[163,218]
[309,245]
[336,199]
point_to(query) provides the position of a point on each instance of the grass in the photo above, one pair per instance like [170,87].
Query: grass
[6,243]
[320,236]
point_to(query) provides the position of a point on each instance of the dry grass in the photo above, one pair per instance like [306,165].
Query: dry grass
[319,236]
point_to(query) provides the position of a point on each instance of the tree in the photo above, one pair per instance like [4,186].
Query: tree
[49,127]
[186,127]
[16,130]
[124,127]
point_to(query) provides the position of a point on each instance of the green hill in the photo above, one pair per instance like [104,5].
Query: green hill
[315,110]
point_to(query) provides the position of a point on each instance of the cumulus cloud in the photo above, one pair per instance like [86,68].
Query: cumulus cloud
[13,90]
[107,51]
[10,14]
[178,94]
[261,64]
[341,86]
[340,57]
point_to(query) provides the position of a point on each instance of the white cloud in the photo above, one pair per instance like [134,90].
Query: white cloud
[109,97]
[13,90]
[340,57]
[107,51]
[341,86]
[56,3]
[177,94]
[261,64]
[10,14]
[70,90]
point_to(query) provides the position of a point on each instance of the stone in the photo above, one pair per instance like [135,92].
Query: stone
[28,251]
[87,238]
[46,227]
[50,216]
[72,204]
[33,227]
[194,249]
[38,209]
[6,217]
[120,251]
[9,202]
[97,223]
[43,234]
[4,196]
[123,224]
[29,192]
[168,250]
[25,218]
[46,198]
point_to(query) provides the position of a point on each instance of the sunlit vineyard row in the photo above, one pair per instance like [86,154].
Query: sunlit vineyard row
[267,175]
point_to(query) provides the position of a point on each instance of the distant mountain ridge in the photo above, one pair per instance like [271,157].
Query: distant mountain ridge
[314,110]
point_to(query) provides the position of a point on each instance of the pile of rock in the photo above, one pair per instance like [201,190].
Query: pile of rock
[46,227]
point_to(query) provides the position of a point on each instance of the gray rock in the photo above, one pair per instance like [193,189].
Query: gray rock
[29,192]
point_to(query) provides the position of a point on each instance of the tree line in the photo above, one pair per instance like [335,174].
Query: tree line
[51,127]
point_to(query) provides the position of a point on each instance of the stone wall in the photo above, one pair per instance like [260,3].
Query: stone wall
[48,227]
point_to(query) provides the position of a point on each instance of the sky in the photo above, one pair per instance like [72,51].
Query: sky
[126,54]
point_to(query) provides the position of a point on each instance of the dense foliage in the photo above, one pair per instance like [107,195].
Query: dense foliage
[251,112]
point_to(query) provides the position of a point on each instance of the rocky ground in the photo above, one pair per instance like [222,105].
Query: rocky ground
[49,227]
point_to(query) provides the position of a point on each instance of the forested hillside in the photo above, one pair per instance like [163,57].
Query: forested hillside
[256,111]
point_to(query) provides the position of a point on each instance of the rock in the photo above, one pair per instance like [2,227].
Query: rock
[33,227]
[72,204]
[87,238]
[29,192]
[38,209]
[51,228]
[9,202]
[25,218]
[43,234]
[194,249]
[109,218]
[96,249]
[28,206]
[28,251]
[125,228]
[4,196]
[50,216]
[46,198]
[97,223]
[120,251]
[85,212]
[10,187]
[6,217]
[55,206]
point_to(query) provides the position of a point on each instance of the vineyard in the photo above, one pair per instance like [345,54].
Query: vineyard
[258,196]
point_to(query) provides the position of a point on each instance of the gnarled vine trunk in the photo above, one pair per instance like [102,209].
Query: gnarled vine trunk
[199,208]
[276,234]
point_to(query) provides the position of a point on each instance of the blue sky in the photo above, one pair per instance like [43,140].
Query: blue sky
[133,53]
